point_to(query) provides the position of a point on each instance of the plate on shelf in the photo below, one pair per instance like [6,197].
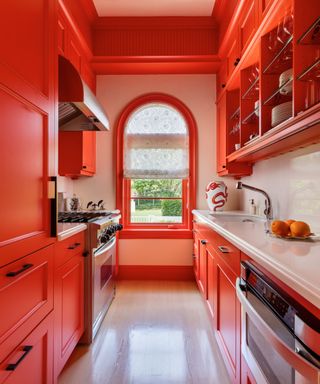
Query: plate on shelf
[280,113]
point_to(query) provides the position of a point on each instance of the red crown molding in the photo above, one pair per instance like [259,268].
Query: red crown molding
[125,65]
[158,23]
[90,10]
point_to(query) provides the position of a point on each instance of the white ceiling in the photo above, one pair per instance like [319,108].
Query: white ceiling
[154,7]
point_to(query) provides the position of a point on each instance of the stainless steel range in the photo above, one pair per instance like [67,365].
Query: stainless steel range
[100,262]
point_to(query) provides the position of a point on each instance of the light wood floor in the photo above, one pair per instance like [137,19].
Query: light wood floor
[154,332]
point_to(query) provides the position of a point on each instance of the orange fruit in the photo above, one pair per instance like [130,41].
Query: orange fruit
[290,221]
[300,229]
[280,228]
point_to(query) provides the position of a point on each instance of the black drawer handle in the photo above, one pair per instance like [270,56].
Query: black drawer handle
[75,245]
[224,249]
[26,349]
[24,268]
[204,242]
[84,167]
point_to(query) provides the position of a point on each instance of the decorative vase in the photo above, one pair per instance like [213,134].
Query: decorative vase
[216,195]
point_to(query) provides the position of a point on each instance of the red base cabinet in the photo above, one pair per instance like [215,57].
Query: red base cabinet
[68,299]
[26,329]
[227,322]
[219,267]
[31,362]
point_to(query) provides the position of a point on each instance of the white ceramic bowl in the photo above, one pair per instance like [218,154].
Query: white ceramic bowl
[284,77]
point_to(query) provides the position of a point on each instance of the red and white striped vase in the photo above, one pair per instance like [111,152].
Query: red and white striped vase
[216,195]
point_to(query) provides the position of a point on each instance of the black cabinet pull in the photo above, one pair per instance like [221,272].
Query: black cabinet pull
[86,254]
[223,85]
[84,167]
[24,268]
[26,349]
[224,166]
[75,245]
[224,249]
[204,242]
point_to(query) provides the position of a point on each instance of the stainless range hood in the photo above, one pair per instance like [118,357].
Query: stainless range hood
[79,109]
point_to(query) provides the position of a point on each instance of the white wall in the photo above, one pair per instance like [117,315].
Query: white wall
[293,183]
[115,92]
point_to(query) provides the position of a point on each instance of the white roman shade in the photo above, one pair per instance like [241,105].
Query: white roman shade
[156,143]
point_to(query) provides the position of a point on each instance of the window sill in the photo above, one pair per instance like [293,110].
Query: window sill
[156,234]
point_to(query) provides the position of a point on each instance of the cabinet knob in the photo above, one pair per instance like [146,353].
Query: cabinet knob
[223,85]
[204,242]
[84,166]
[224,166]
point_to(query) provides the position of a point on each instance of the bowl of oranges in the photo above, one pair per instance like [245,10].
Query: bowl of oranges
[291,229]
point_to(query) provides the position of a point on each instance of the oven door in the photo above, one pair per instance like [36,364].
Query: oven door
[103,281]
[272,352]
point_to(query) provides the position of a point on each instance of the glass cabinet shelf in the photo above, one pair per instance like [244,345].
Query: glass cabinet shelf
[311,73]
[252,92]
[270,99]
[270,68]
[252,117]
[312,34]
[235,114]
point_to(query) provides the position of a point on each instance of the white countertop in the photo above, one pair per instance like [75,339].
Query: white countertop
[296,263]
[66,230]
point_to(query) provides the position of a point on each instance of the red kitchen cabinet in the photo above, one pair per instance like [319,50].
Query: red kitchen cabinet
[257,77]
[68,299]
[221,266]
[211,281]
[227,321]
[31,361]
[77,153]
[75,48]
[228,128]
[203,268]
[26,296]
[27,95]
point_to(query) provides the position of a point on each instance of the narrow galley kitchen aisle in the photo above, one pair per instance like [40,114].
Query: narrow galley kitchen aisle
[156,332]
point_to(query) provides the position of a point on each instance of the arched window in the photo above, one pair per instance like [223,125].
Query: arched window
[155,186]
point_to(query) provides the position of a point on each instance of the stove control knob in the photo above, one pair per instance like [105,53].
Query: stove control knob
[104,238]
[119,227]
[110,230]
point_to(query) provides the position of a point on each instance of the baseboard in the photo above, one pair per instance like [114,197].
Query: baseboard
[156,272]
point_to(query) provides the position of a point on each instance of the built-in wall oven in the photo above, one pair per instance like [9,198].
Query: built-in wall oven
[280,338]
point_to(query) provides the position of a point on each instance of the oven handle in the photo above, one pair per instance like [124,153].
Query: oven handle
[105,247]
[294,358]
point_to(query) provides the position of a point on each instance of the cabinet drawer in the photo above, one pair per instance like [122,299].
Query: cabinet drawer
[26,292]
[68,248]
[30,361]
[228,253]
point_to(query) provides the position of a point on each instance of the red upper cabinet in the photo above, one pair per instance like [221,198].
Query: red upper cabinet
[77,153]
[248,24]
[27,98]
[75,49]
[228,128]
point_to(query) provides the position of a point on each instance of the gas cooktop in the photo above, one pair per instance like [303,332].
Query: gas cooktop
[83,216]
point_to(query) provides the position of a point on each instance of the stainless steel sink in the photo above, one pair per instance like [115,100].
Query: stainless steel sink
[237,218]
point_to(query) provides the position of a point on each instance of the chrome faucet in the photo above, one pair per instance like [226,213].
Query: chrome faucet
[268,209]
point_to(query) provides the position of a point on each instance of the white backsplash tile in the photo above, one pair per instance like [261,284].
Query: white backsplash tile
[293,183]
